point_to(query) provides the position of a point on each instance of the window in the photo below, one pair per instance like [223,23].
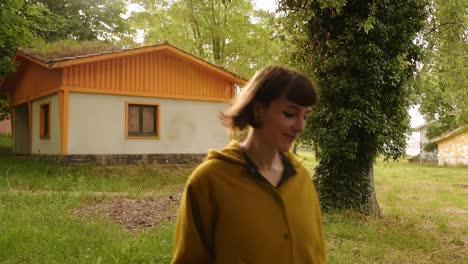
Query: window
[142,120]
[44,121]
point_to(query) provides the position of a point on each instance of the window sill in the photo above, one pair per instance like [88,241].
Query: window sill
[142,137]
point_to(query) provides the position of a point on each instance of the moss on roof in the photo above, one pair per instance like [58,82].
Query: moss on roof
[53,52]
[65,49]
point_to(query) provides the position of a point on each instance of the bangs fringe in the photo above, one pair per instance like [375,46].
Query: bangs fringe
[301,91]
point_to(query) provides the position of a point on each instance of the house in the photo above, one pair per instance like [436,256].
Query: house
[150,104]
[453,147]
[424,156]
[412,144]
[5,127]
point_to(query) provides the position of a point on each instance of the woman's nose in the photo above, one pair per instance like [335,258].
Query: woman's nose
[300,125]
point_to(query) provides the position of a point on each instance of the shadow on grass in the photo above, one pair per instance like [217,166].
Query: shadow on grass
[5,151]
[6,146]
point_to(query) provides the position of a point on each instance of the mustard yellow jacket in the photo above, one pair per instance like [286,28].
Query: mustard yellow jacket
[227,216]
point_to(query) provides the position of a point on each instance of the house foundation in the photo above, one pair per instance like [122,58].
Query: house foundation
[123,159]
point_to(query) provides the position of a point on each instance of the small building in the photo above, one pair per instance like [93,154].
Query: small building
[127,106]
[424,156]
[5,127]
[453,147]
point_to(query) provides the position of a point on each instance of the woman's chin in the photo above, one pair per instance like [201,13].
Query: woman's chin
[285,147]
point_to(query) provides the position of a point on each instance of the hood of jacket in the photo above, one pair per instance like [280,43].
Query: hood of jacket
[232,153]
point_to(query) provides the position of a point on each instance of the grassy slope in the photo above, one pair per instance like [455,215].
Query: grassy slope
[425,215]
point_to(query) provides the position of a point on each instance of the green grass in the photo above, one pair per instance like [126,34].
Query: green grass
[425,217]
[425,208]
[22,173]
[40,229]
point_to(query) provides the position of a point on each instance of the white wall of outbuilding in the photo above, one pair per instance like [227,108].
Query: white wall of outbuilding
[96,125]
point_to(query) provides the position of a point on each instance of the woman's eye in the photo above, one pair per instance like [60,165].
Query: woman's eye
[287,114]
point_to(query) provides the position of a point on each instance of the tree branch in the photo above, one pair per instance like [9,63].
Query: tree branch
[445,24]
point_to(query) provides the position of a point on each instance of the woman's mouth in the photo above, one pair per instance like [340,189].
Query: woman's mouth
[290,137]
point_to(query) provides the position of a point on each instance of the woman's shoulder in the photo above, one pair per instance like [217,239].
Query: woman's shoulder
[208,169]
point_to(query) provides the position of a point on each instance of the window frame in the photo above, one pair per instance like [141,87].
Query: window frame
[42,120]
[156,120]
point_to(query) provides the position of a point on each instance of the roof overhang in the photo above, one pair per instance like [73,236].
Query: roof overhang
[449,134]
[421,127]
[70,61]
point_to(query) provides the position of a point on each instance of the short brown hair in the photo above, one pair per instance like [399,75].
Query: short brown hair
[266,85]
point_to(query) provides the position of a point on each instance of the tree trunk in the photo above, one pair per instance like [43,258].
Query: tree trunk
[196,30]
[374,206]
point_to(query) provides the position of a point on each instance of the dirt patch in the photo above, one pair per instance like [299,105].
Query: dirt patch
[133,214]
[454,210]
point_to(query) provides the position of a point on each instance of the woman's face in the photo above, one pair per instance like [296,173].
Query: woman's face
[281,123]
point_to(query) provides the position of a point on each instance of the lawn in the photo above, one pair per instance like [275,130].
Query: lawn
[425,208]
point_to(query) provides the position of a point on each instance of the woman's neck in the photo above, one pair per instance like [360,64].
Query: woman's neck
[260,152]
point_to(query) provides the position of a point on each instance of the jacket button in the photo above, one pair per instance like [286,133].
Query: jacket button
[286,236]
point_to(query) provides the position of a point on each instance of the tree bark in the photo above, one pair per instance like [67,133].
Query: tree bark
[374,206]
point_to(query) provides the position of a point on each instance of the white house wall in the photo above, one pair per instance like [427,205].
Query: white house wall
[50,145]
[96,125]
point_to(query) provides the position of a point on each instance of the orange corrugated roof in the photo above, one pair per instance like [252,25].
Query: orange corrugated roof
[58,62]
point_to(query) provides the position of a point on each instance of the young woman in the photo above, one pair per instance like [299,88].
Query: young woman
[254,202]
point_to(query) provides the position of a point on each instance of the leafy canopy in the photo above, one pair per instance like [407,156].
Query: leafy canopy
[31,23]
[229,33]
[443,82]
[14,32]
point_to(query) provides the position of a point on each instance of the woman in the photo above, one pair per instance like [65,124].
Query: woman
[254,202]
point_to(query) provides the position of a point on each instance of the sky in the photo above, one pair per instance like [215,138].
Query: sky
[269,5]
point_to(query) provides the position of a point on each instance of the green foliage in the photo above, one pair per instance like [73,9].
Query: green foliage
[44,23]
[51,20]
[79,19]
[443,80]
[443,125]
[438,128]
[13,32]
[430,147]
[362,55]
[229,33]
[4,107]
